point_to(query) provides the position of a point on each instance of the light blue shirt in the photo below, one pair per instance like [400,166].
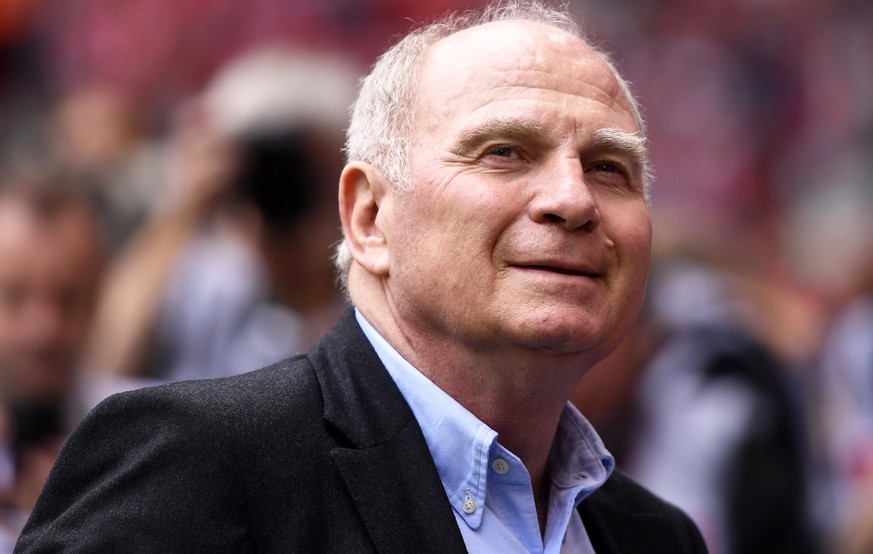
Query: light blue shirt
[487,485]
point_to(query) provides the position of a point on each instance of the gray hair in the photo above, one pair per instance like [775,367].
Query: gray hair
[381,128]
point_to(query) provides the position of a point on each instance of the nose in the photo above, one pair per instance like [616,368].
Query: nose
[563,198]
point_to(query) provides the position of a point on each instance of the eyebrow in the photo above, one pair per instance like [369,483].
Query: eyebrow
[615,140]
[500,127]
[608,139]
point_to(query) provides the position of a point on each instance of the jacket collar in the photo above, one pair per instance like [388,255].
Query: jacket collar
[384,459]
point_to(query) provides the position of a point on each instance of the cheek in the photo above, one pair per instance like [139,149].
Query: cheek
[459,221]
[630,224]
[632,235]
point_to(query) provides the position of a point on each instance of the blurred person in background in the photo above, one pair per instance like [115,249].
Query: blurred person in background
[704,410]
[51,256]
[234,271]
[100,136]
[847,414]
[853,531]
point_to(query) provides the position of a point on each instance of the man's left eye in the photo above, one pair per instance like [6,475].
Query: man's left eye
[608,173]
[606,167]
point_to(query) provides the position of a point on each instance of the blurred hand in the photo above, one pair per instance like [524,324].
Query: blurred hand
[204,167]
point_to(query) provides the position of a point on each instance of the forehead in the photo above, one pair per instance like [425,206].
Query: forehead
[518,61]
[26,236]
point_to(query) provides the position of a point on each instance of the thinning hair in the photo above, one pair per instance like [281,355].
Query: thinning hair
[381,127]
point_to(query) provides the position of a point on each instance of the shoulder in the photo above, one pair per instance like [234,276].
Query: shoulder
[184,453]
[215,419]
[288,382]
[231,414]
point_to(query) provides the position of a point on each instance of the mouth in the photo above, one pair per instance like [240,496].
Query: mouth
[575,272]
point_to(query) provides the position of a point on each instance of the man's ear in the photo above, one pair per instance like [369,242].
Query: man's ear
[365,197]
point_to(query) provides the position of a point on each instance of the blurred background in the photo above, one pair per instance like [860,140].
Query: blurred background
[167,178]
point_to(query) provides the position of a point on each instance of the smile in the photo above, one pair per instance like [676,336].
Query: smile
[560,270]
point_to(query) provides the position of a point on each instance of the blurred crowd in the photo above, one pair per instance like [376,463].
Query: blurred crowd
[167,205]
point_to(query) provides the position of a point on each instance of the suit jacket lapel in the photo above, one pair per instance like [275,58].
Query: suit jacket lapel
[402,505]
[385,461]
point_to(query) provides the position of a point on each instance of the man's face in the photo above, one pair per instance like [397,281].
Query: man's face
[527,225]
[48,273]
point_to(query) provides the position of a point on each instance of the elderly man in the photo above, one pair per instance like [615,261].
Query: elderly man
[496,246]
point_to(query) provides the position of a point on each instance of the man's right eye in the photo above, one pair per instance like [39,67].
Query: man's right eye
[508,152]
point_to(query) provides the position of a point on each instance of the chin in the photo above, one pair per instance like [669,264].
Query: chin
[568,335]
[574,346]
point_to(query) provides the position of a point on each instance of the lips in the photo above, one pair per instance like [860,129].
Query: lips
[561,268]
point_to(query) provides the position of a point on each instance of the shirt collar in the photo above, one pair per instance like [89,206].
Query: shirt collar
[463,447]
[578,458]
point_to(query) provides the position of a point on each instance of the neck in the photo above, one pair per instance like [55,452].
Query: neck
[520,393]
[524,410]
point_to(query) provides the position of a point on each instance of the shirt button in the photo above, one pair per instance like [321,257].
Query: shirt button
[469,506]
[500,465]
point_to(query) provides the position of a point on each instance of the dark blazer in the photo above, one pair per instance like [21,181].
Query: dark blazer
[318,453]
